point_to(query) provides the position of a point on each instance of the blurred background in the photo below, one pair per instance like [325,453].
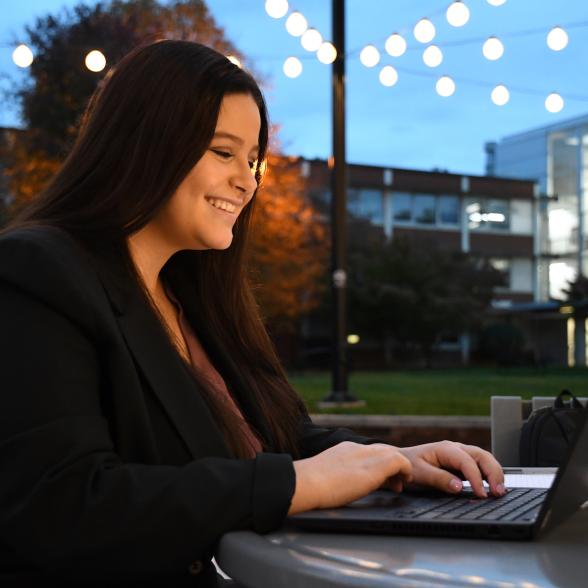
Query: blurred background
[467,193]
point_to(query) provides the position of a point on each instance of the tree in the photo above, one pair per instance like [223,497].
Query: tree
[577,291]
[287,245]
[53,99]
[286,250]
[412,293]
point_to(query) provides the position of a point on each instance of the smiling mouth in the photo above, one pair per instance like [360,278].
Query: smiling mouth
[222,205]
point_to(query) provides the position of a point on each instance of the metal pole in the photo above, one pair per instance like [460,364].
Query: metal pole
[339,392]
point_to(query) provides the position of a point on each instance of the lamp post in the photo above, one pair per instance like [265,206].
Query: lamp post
[339,394]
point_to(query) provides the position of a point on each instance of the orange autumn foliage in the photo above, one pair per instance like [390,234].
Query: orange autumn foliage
[287,246]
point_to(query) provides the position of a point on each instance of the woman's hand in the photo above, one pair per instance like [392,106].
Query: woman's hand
[346,472]
[431,461]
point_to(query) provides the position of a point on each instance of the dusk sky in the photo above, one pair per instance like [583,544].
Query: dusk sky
[407,125]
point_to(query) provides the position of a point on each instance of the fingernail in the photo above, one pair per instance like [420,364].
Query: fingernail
[501,489]
[455,485]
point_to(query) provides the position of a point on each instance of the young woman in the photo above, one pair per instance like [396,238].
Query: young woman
[143,411]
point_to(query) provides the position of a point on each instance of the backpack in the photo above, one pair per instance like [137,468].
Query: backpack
[548,432]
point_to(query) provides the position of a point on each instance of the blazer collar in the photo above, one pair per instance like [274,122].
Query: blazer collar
[154,355]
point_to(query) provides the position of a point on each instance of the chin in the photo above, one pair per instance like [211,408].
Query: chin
[221,244]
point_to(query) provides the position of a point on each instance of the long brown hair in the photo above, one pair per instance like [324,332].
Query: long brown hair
[146,126]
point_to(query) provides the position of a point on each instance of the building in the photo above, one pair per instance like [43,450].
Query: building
[489,217]
[556,157]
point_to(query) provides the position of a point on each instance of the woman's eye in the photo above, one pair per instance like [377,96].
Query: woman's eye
[223,154]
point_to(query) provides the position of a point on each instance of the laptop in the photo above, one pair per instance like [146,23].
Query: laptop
[522,514]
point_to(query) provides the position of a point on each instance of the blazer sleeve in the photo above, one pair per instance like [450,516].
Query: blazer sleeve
[68,504]
[315,439]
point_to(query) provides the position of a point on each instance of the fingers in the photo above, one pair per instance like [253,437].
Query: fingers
[474,463]
[490,468]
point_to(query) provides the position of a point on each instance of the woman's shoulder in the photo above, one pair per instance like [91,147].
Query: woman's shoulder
[29,238]
[45,262]
[39,247]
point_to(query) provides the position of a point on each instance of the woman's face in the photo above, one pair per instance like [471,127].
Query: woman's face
[204,208]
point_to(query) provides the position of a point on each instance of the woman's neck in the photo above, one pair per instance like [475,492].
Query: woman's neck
[149,255]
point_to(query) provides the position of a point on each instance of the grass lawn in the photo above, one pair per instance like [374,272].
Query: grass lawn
[441,392]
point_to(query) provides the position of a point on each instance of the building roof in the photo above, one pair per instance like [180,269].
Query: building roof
[569,123]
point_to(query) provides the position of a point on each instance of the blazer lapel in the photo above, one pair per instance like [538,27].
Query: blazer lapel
[162,367]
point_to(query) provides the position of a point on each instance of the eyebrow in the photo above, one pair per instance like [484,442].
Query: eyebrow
[238,140]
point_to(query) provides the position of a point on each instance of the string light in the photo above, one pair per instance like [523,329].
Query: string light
[445,86]
[493,49]
[327,53]
[457,14]
[424,31]
[296,24]
[95,61]
[554,102]
[500,95]
[234,60]
[22,56]
[369,56]
[432,56]
[388,76]
[395,45]
[292,67]
[557,39]
[311,40]
[276,8]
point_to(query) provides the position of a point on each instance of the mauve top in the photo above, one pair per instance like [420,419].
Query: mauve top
[202,364]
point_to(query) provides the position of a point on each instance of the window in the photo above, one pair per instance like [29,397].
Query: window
[424,209]
[503,266]
[402,207]
[489,214]
[448,210]
[366,203]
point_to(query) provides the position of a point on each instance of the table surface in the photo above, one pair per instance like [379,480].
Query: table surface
[296,559]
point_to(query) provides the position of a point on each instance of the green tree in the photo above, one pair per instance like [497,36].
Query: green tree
[411,292]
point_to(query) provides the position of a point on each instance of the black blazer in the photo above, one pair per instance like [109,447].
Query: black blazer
[111,465]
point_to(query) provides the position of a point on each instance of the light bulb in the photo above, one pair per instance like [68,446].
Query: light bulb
[554,102]
[311,40]
[369,56]
[388,76]
[557,39]
[496,2]
[276,8]
[292,67]
[95,61]
[296,24]
[424,31]
[22,56]
[457,14]
[234,60]
[500,95]
[432,56]
[445,86]
[327,53]
[395,45]
[493,49]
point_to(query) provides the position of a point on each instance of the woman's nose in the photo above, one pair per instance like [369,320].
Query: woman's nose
[244,179]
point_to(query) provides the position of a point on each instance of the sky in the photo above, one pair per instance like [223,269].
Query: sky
[407,125]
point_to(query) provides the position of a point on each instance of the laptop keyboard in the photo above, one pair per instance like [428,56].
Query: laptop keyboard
[519,503]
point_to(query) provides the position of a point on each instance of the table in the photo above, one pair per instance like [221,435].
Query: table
[296,559]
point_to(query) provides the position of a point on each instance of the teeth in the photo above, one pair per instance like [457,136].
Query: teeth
[222,204]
